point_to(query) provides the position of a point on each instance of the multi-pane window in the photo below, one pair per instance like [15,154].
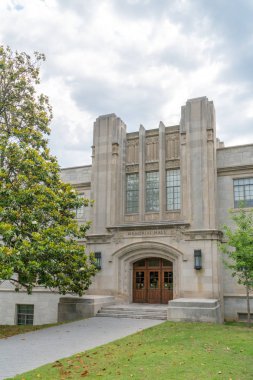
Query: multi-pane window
[152,191]
[132,193]
[80,210]
[243,192]
[25,314]
[173,191]
[98,260]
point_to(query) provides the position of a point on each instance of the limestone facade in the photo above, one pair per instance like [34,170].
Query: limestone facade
[207,173]
[161,193]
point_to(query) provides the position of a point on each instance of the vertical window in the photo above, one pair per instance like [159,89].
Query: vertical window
[25,314]
[152,191]
[80,211]
[243,192]
[132,193]
[98,260]
[173,189]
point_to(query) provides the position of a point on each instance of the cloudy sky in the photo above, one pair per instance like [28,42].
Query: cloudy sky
[141,59]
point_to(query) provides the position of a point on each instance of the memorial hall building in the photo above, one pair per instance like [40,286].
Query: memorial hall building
[160,197]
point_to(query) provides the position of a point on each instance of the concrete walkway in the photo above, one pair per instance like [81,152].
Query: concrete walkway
[25,352]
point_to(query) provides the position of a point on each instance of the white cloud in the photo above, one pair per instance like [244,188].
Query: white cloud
[139,59]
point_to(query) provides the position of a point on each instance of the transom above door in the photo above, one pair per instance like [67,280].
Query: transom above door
[152,280]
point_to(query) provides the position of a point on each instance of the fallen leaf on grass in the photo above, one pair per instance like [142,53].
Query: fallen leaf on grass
[84,373]
[57,364]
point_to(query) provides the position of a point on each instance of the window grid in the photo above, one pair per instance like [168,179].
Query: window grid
[243,192]
[25,314]
[132,193]
[80,210]
[173,189]
[152,191]
[98,260]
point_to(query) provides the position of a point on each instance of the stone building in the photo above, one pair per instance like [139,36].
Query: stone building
[160,199]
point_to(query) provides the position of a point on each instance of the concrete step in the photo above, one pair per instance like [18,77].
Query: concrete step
[134,311]
[134,316]
[123,311]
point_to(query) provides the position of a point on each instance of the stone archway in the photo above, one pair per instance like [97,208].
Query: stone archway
[128,255]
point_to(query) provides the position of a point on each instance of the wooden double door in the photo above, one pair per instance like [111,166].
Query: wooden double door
[152,280]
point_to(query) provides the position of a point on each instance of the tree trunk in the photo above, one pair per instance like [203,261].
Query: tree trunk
[248,305]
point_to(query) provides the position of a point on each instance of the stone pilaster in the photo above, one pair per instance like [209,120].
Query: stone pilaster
[142,147]
[109,138]
[162,172]
[198,151]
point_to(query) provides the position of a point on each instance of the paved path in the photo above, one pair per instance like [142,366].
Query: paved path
[24,352]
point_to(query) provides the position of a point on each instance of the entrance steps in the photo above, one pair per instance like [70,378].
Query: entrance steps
[134,310]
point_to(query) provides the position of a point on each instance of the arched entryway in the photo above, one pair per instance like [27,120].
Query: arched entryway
[152,280]
[125,258]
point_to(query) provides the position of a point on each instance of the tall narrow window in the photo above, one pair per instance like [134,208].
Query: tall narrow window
[152,191]
[98,260]
[243,192]
[173,189]
[80,211]
[132,193]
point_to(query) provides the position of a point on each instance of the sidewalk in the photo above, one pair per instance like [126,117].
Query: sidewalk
[22,353]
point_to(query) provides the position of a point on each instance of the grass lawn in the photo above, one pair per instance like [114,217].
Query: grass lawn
[190,351]
[10,330]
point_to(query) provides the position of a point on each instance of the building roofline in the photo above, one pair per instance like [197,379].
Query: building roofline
[234,146]
[77,167]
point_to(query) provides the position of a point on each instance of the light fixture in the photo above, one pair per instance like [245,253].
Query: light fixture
[197,259]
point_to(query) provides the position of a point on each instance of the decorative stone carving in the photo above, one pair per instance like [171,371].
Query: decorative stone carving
[132,151]
[152,166]
[183,138]
[175,164]
[132,168]
[172,146]
[152,148]
[115,149]
[210,135]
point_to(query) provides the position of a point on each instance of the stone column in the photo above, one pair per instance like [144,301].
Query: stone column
[162,172]
[199,178]
[109,136]
[142,178]
[198,152]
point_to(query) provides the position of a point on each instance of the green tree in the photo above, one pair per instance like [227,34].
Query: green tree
[238,246]
[39,245]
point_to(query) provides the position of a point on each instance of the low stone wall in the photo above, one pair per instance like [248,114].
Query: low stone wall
[71,309]
[49,307]
[235,307]
[194,310]
[45,306]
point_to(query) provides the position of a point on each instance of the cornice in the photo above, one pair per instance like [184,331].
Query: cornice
[148,226]
[230,170]
[205,234]
[98,238]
